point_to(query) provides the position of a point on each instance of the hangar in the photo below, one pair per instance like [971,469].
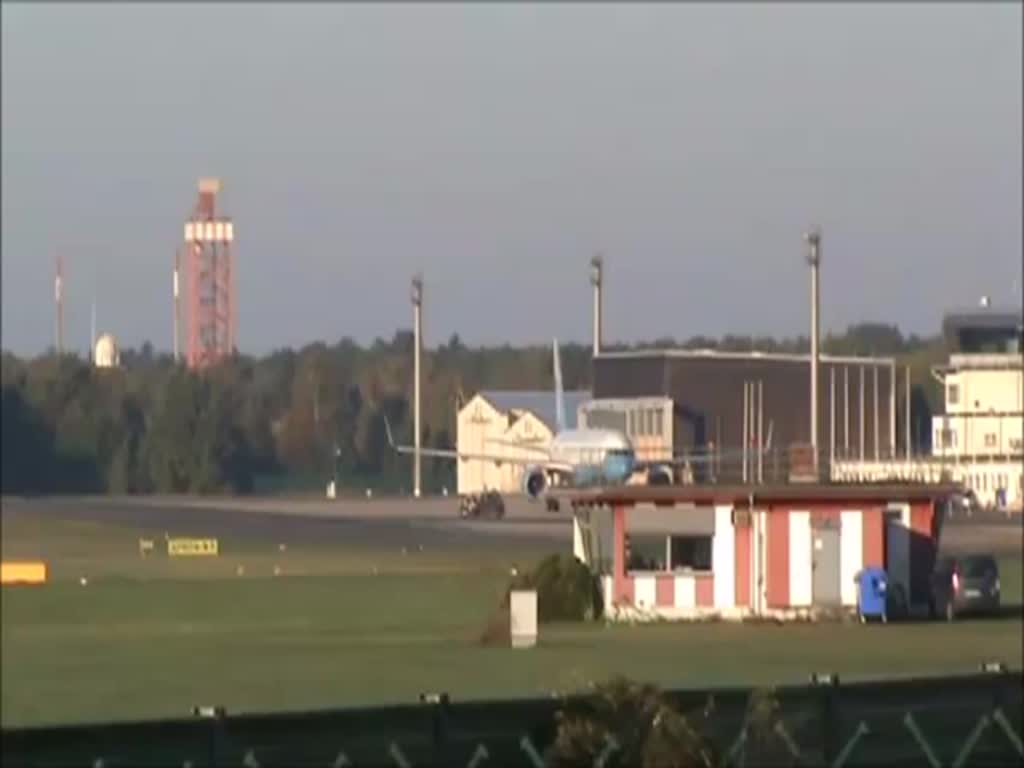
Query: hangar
[493,418]
[779,551]
[705,403]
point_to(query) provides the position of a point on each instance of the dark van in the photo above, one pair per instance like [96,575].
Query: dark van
[965,584]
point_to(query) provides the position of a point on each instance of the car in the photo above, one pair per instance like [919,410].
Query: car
[488,504]
[964,584]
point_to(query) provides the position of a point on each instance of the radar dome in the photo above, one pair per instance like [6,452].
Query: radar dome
[106,354]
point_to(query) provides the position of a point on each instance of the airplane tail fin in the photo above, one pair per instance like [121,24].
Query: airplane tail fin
[559,394]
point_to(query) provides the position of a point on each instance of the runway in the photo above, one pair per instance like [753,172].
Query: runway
[387,522]
[431,522]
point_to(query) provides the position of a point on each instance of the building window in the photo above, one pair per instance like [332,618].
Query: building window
[953,394]
[645,552]
[947,438]
[691,552]
[659,425]
[990,440]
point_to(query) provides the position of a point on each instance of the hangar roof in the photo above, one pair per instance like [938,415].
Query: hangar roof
[539,402]
[753,355]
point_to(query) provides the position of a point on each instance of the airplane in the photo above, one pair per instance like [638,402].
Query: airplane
[575,457]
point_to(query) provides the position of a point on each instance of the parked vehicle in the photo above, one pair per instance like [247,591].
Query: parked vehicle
[487,504]
[964,584]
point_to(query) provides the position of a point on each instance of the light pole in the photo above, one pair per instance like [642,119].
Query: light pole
[417,318]
[337,458]
[813,240]
[596,279]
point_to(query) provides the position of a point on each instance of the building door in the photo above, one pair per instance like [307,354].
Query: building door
[825,581]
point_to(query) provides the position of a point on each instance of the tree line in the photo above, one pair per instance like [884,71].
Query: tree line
[293,418]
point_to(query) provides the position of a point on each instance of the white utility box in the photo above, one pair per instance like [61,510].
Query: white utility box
[523,618]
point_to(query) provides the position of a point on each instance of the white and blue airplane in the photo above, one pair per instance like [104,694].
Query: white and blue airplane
[575,457]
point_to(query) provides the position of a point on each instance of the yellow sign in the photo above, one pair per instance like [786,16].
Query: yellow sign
[191,547]
[22,573]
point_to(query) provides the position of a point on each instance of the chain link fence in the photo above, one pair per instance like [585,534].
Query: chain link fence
[956,721]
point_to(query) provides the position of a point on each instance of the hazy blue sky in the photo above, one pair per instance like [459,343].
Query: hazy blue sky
[496,148]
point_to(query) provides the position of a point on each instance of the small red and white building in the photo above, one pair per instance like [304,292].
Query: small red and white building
[788,551]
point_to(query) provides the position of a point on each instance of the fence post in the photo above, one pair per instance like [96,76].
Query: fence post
[829,723]
[828,687]
[439,725]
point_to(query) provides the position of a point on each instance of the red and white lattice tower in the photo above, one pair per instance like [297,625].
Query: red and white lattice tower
[209,280]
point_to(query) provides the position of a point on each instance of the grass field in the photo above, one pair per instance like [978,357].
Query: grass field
[350,625]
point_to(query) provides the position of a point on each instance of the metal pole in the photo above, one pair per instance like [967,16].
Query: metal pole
[832,416]
[760,431]
[908,435]
[417,308]
[596,279]
[747,417]
[846,411]
[813,240]
[874,387]
[892,409]
[862,413]
[754,437]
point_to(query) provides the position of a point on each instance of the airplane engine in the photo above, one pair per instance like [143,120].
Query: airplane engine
[660,475]
[535,482]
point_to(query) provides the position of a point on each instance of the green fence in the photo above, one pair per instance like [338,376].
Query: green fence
[973,720]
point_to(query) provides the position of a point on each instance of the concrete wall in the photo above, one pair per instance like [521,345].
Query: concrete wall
[982,476]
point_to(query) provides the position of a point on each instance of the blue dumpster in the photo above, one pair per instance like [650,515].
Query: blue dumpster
[872,585]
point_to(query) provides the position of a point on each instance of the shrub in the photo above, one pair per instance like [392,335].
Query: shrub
[629,724]
[498,631]
[566,590]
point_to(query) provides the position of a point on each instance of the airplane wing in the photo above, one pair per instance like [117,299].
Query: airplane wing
[442,453]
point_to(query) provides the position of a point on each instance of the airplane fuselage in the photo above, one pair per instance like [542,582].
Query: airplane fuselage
[597,456]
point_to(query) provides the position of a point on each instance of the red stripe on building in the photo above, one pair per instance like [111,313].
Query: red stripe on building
[873,531]
[743,561]
[778,557]
[705,588]
[665,590]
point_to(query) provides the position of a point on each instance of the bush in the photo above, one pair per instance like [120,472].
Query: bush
[498,631]
[566,590]
[629,724]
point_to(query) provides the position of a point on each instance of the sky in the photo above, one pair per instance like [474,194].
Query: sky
[496,148]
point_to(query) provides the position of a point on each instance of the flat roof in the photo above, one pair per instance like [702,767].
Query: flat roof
[714,354]
[718,494]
